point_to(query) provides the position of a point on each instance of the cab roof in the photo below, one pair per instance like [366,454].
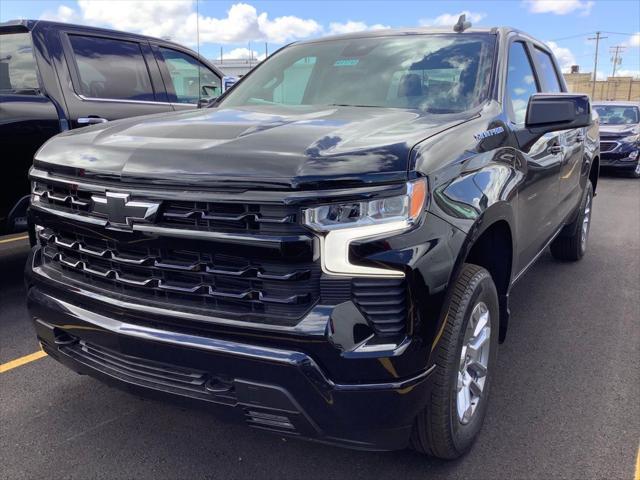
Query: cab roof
[32,25]
[390,32]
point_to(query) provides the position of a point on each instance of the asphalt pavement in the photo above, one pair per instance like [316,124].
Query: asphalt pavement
[565,402]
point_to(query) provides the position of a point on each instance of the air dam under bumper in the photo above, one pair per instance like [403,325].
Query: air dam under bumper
[278,390]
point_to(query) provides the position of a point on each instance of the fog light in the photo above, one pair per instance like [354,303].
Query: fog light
[634,155]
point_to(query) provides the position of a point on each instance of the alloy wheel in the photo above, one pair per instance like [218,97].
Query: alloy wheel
[474,360]
[586,220]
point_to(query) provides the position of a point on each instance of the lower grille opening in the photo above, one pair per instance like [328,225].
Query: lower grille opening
[147,373]
[269,420]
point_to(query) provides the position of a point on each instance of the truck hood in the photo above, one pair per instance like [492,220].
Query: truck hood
[269,147]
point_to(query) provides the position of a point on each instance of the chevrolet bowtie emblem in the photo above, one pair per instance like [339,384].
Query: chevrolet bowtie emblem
[122,212]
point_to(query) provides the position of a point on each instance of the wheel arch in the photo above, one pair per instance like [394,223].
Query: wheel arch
[491,244]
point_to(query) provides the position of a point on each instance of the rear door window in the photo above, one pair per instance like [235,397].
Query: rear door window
[111,69]
[547,72]
[17,64]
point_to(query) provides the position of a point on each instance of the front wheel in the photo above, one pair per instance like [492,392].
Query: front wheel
[573,247]
[465,354]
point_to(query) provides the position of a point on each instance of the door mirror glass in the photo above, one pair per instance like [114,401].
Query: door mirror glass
[553,112]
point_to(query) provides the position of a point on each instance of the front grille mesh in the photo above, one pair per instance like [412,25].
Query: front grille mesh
[607,146]
[277,292]
[212,279]
[234,217]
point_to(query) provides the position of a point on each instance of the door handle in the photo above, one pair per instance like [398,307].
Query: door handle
[91,120]
[554,149]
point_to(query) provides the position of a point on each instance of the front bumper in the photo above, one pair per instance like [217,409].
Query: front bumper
[275,389]
[624,157]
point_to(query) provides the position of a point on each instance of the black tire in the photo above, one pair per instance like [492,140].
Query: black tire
[438,430]
[571,248]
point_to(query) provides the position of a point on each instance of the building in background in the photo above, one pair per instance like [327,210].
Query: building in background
[613,88]
[235,67]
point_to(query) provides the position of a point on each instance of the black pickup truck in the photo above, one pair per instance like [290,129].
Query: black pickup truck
[328,249]
[55,77]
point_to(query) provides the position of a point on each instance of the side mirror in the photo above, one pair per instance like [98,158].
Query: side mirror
[558,111]
[210,91]
[203,102]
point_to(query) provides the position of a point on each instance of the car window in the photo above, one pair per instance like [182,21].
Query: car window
[618,114]
[111,69]
[521,82]
[547,72]
[188,74]
[17,64]
[438,73]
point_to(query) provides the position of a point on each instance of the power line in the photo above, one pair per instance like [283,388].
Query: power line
[572,36]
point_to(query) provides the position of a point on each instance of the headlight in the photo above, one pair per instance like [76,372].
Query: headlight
[401,208]
[342,223]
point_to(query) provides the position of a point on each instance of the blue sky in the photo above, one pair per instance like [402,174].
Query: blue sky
[232,25]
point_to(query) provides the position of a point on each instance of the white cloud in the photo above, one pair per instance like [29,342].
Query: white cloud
[337,28]
[564,56]
[177,19]
[628,73]
[634,40]
[244,54]
[449,19]
[560,7]
[62,14]
[284,29]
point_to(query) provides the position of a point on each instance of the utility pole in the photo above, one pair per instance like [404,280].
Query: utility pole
[616,59]
[597,38]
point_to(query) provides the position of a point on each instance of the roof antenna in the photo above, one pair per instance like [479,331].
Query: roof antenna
[462,24]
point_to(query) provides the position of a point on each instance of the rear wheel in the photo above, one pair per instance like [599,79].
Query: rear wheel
[574,246]
[465,355]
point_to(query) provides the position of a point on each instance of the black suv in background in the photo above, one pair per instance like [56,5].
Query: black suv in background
[55,77]
[329,248]
[620,136]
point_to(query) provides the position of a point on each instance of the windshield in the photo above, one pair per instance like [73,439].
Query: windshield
[17,65]
[435,73]
[618,114]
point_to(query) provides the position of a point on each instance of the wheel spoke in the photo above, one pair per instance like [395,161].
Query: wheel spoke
[475,344]
[483,321]
[475,388]
[477,369]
